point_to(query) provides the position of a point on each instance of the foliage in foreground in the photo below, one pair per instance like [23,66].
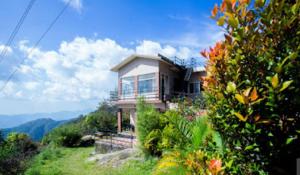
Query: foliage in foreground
[147,122]
[15,152]
[188,145]
[254,84]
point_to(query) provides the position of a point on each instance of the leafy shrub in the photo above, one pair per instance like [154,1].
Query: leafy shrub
[15,152]
[171,134]
[103,119]
[170,130]
[152,140]
[253,83]
[148,120]
[189,162]
[1,137]
[46,155]
[67,135]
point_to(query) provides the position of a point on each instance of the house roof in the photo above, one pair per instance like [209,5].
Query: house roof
[135,56]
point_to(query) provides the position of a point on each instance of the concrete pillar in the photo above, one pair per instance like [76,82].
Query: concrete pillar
[157,77]
[132,117]
[120,120]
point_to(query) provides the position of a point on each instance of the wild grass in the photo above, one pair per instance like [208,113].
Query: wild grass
[73,161]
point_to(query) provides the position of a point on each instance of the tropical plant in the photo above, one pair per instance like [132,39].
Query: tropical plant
[198,133]
[199,152]
[204,136]
[189,162]
[253,83]
[170,130]
[148,120]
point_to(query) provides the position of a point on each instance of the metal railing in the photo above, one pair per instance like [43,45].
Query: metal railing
[111,137]
[154,95]
[132,95]
[189,63]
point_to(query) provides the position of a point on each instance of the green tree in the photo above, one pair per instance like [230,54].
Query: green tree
[254,82]
[1,137]
[103,119]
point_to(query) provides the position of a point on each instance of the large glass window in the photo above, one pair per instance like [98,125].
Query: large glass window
[127,86]
[195,87]
[146,83]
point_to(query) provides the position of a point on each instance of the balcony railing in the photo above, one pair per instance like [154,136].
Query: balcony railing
[153,94]
[132,95]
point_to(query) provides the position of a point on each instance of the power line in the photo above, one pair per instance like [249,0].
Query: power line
[16,30]
[37,43]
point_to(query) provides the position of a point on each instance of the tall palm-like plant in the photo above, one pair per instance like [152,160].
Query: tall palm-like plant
[198,132]
[202,131]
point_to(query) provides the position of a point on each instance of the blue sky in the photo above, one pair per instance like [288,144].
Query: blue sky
[70,68]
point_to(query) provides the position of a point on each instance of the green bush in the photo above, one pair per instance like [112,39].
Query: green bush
[158,132]
[68,135]
[103,119]
[166,133]
[161,132]
[1,137]
[148,120]
[47,154]
[253,84]
[15,153]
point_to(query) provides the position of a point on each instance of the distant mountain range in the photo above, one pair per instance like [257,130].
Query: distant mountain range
[9,121]
[36,129]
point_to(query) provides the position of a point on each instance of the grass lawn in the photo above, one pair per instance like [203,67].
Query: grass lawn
[72,161]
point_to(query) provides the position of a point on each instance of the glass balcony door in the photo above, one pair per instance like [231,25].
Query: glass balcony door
[147,85]
[127,87]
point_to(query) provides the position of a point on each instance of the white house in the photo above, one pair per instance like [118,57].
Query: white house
[158,79]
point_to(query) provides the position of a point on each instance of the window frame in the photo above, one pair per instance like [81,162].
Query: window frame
[131,83]
[154,84]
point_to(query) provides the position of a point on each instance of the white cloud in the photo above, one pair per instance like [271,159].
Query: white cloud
[152,48]
[31,85]
[76,4]
[80,69]
[9,90]
[8,49]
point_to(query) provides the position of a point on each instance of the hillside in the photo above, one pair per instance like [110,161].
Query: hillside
[9,121]
[36,129]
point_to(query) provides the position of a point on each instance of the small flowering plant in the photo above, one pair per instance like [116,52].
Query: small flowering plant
[200,162]
[215,166]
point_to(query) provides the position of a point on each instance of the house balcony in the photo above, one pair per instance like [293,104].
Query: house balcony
[150,96]
[133,96]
